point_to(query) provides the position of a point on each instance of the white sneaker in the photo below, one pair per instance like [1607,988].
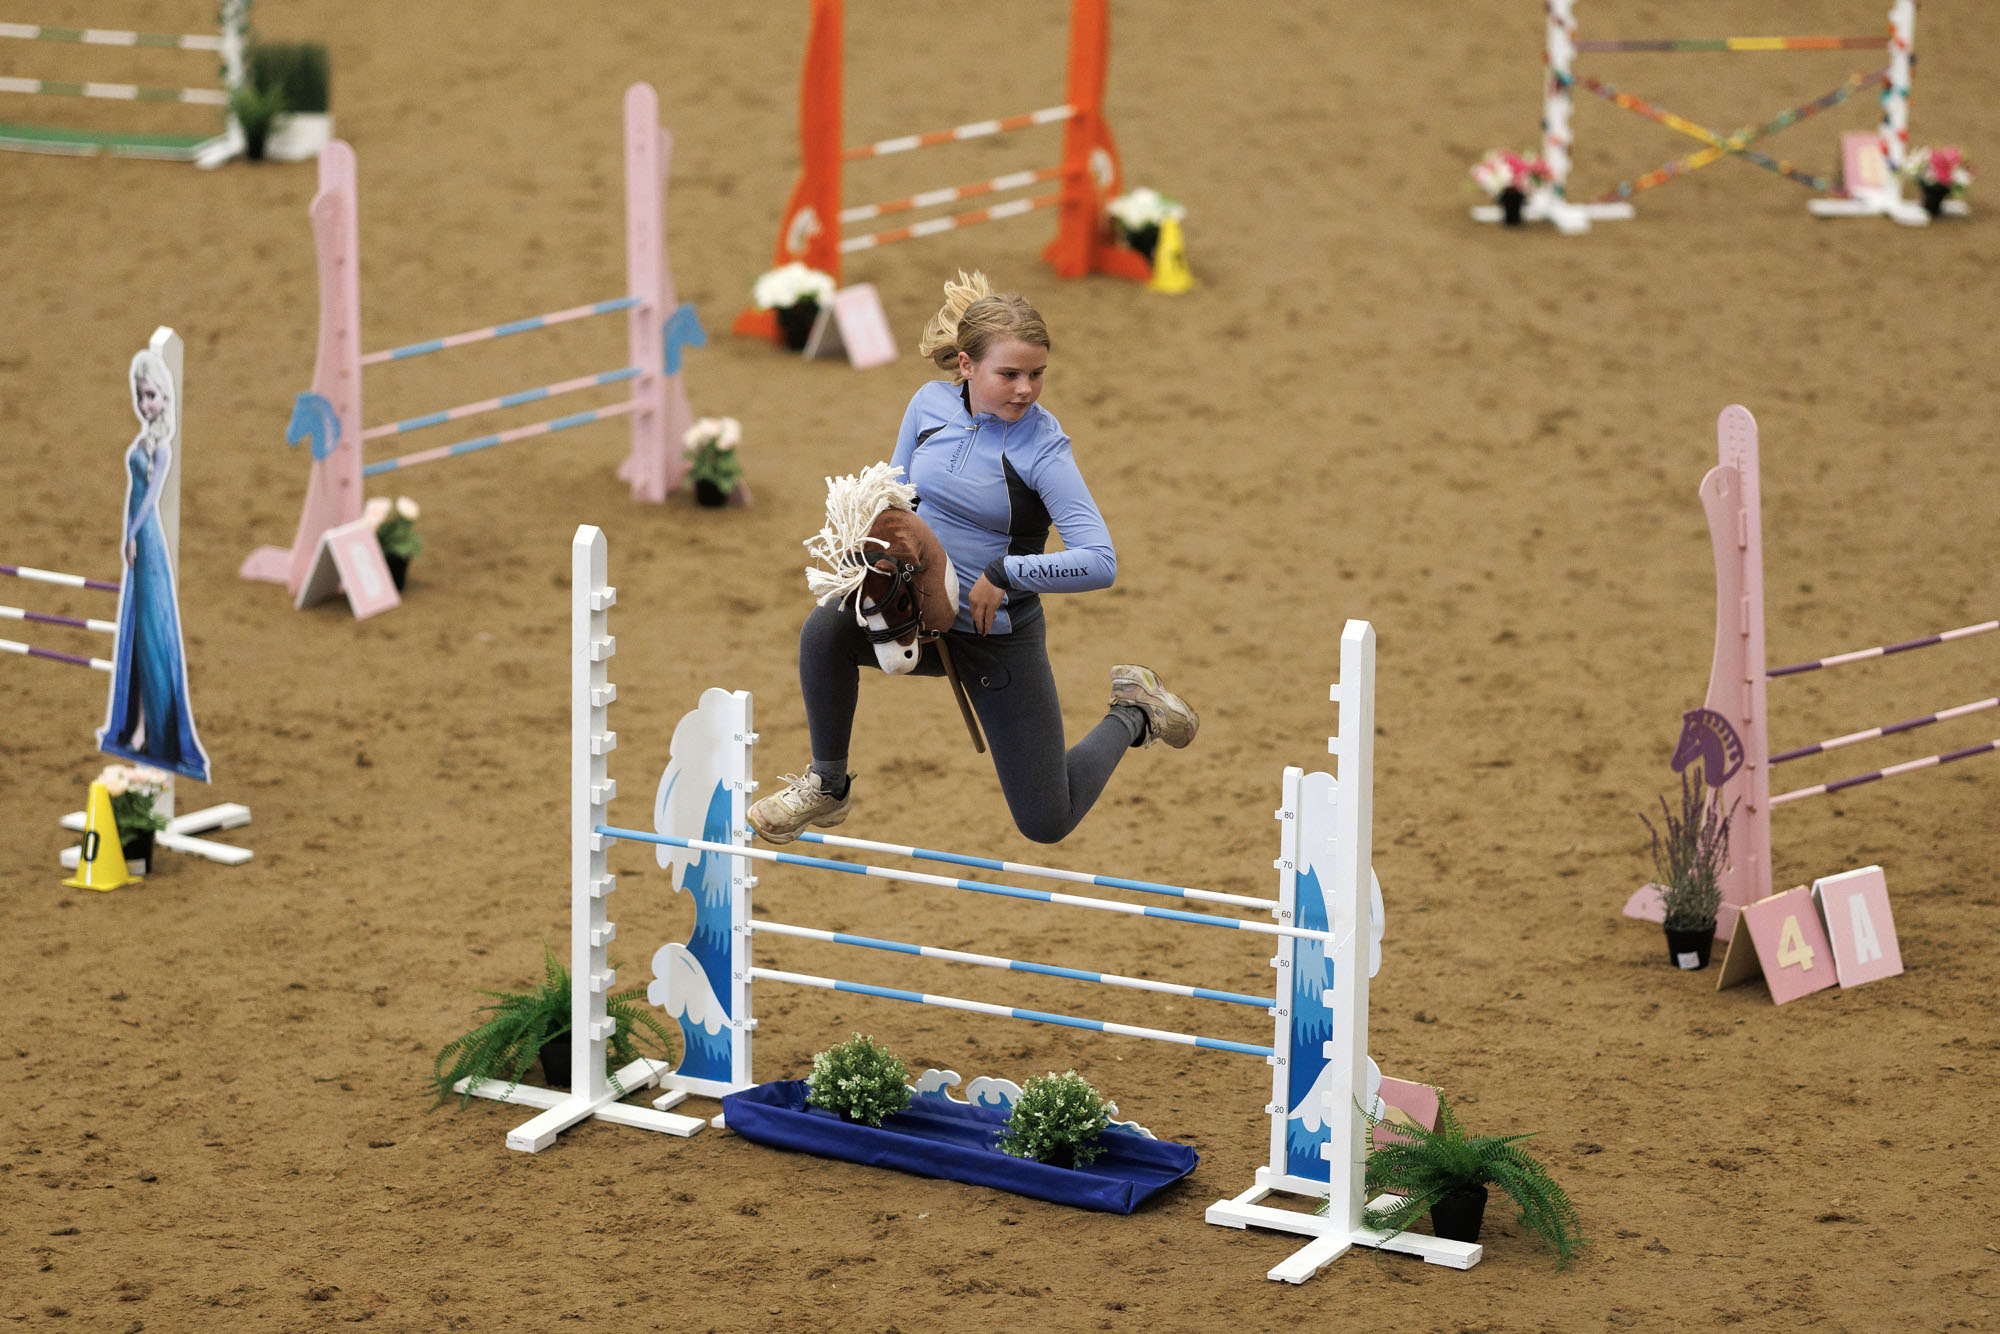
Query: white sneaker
[1168,717]
[782,816]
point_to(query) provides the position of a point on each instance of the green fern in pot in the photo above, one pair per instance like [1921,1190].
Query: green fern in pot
[527,1024]
[1445,1172]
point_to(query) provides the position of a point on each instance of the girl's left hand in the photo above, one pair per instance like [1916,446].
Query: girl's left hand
[986,598]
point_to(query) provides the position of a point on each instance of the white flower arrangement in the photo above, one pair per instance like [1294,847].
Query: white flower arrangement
[119,779]
[725,433]
[710,448]
[1144,207]
[395,525]
[132,788]
[789,284]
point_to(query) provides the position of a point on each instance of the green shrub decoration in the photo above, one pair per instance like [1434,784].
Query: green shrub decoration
[255,109]
[860,1080]
[299,72]
[505,1046]
[1056,1117]
[1432,1164]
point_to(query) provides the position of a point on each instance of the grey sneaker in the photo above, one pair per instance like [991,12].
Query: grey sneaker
[782,816]
[1168,717]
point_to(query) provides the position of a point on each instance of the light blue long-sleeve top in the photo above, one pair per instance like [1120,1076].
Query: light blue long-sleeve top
[991,489]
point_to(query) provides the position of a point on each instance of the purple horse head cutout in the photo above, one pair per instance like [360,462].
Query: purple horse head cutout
[1706,735]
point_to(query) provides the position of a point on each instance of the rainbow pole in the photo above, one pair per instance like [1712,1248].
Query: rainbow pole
[1737,143]
[1663,44]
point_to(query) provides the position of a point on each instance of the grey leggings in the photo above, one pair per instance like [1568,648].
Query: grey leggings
[1012,690]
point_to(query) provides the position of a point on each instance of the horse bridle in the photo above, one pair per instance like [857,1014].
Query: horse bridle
[902,574]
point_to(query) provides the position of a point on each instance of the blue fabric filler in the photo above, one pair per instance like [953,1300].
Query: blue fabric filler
[954,1141]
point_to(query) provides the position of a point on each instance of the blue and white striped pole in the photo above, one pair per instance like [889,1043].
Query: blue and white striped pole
[1012,965]
[500,438]
[971,886]
[1042,872]
[513,400]
[1009,1012]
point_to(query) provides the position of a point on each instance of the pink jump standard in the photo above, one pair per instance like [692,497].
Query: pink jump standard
[656,328]
[1729,735]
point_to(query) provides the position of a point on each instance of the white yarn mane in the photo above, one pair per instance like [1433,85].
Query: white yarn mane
[853,503]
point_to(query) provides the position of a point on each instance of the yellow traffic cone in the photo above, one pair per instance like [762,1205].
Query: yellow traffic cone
[100,863]
[1170,269]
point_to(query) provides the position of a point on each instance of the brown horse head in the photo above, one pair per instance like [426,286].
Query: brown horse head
[910,591]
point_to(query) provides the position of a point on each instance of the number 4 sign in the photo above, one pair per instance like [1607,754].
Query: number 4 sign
[1785,938]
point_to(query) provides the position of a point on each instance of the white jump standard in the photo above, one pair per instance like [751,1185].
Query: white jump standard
[1321,1078]
[1849,197]
[229,45]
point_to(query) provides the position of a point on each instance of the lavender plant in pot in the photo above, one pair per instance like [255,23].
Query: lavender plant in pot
[1688,856]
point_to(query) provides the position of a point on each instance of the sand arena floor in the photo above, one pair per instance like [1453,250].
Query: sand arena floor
[1486,443]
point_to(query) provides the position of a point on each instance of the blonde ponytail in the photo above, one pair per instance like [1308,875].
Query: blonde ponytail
[973,317]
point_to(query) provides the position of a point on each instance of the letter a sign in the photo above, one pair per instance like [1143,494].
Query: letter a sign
[1863,934]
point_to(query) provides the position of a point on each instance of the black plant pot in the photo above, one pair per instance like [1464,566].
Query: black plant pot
[1934,197]
[1512,201]
[707,493]
[1144,240]
[399,568]
[1689,948]
[138,850]
[1457,1216]
[555,1062]
[796,323]
[254,137]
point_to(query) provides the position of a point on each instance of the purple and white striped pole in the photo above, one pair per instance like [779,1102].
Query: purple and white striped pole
[30,651]
[1883,651]
[1835,743]
[1925,763]
[47,618]
[55,577]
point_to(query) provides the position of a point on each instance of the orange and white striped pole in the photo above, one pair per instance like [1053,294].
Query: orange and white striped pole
[810,229]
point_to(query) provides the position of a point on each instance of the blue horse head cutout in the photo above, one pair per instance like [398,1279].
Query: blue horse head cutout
[682,329]
[314,419]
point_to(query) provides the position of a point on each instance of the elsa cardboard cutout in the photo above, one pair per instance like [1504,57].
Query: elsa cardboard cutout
[148,718]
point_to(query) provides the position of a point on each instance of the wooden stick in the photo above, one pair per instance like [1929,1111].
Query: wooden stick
[958,693]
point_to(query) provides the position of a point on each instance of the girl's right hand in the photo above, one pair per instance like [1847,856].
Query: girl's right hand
[986,598]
